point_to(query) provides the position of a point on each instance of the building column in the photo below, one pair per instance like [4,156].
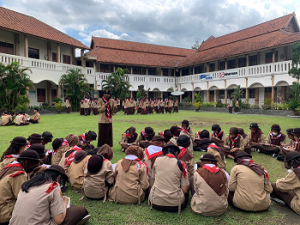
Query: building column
[131,70]
[49,93]
[25,46]
[131,94]
[74,56]
[258,58]
[49,55]
[58,53]
[217,95]
[58,91]
[226,66]
[161,72]
[147,70]
[180,72]
[114,68]
[247,90]
[207,64]
[17,44]
[256,96]
[174,72]
[273,89]
[247,60]
[193,93]
[225,91]
[283,92]
[207,91]
[162,95]
[193,69]
[83,63]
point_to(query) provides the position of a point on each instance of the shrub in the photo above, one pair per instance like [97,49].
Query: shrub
[197,105]
[58,106]
[57,100]
[22,107]
[267,104]
[221,105]
[254,106]
[244,105]
[209,104]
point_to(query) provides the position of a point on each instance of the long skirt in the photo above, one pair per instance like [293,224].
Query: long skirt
[157,110]
[236,109]
[105,134]
[230,109]
[86,111]
[81,111]
[170,110]
[175,109]
[95,111]
[167,109]
[139,110]
[144,112]
[68,109]
[162,110]
[268,150]
[74,215]
[150,110]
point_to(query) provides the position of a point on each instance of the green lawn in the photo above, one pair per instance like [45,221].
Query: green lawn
[108,212]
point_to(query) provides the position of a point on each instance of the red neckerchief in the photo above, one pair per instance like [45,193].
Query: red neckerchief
[197,134]
[144,133]
[65,142]
[5,115]
[185,130]
[127,134]
[213,169]
[34,117]
[212,145]
[10,156]
[182,152]
[276,137]
[71,157]
[14,164]
[52,187]
[107,109]
[294,144]
[233,141]
[49,151]
[76,148]
[83,139]
[183,164]
[161,134]
[150,156]
[217,135]
[28,146]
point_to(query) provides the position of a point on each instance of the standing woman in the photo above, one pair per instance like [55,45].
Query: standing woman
[105,108]
[230,105]
[40,201]
[237,105]
[68,105]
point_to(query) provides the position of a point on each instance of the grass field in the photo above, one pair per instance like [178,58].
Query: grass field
[108,212]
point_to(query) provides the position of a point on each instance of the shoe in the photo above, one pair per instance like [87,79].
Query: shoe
[274,155]
[277,200]
[84,220]
[258,151]
[280,158]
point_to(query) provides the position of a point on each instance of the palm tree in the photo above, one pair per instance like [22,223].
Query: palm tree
[237,93]
[76,87]
[118,83]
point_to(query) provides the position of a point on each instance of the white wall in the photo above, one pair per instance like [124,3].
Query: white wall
[6,36]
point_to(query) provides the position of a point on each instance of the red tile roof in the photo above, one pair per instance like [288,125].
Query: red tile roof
[24,24]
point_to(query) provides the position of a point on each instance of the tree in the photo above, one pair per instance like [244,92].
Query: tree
[236,94]
[196,45]
[118,83]
[76,87]
[295,92]
[295,72]
[14,86]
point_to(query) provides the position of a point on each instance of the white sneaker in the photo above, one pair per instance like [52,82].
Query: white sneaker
[258,151]
[277,200]
[84,220]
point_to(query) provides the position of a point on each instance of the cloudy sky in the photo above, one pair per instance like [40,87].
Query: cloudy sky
[166,22]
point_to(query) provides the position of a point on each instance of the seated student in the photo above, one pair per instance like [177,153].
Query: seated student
[76,169]
[202,140]
[175,131]
[99,174]
[167,135]
[47,138]
[296,133]
[128,138]
[40,149]
[170,191]
[234,143]
[145,137]
[256,136]
[219,155]
[249,185]
[11,178]
[6,119]
[186,130]
[217,132]
[183,142]
[59,147]
[20,119]
[209,187]
[40,201]
[86,139]
[37,116]
[17,146]
[287,190]
[151,153]
[131,181]
[34,139]
[274,142]
[244,135]
[284,149]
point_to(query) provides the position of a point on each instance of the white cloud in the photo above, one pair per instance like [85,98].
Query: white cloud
[104,34]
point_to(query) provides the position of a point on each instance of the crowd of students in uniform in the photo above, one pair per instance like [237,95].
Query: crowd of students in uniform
[19,119]
[88,106]
[146,106]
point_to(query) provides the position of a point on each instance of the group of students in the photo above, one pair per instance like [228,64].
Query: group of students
[19,119]
[91,105]
[146,106]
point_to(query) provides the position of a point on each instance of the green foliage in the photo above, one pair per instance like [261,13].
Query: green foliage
[209,104]
[118,83]
[267,104]
[14,84]
[59,106]
[198,97]
[220,105]
[56,100]
[236,94]
[254,106]
[281,106]
[76,87]
[197,105]
[22,107]
[294,71]
[295,92]
[186,99]
[244,105]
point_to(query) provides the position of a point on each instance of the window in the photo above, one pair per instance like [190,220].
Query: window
[211,67]
[229,93]
[231,64]
[33,53]
[54,57]
[222,94]
[243,95]
[144,71]
[54,93]
[185,71]
[268,90]
[253,60]
[252,93]
[66,59]
[268,57]
[136,70]
[41,95]
[152,71]
[242,62]
[211,92]
[222,65]
[104,68]
[6,48]
[198,69]
[165,72]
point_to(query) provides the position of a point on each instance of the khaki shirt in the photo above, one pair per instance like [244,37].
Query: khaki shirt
[261,139]
[124,140]
[86,104]
[5,162]
[59,154]
[9,190]
[227,142]
[76,173]
[68,104]
[81,104]
[37,117]
[5,119]
[250,190]
[94,185]
[291,183]
[176,104]
[38,207]
[221,163]
[129,186]
[166,190]
[102,118]
[20,119]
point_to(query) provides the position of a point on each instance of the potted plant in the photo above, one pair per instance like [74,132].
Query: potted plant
[197,101]
[58,107]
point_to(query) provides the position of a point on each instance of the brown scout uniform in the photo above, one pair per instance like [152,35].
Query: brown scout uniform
[250,190]
[124,142]
[238,144]
[5,119]
[37,117]
[129,186]
[94,185]
[20,119]
[68,104]
[7,161]
[76,173]
[166,190]
[37,206]
[57,156]
[221,163]
[261,139]
[190,134]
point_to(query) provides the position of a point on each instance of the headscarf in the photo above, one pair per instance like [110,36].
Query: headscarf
[132,150]
[72,139]
[106,152]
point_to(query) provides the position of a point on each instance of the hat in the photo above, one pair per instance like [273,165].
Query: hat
[19,141]
[35,136]
[215,127]
[57,143]
[289,131]
[94,165]
[233,130]
[93,135]
[149,130]
[107,92]
[254,125]
[241,130]
[39,148]
[58,169]
[275,127]
[208,157]
[183,140]
[168,146]
[204,134]
[167,134]
[79,156]
[29,155]
[173,129]
[47,135]
[242,154]
[186,122]
[292,155]
[158,138]
[72,139]
[296,130]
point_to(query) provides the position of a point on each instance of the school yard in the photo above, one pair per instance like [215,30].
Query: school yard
[110,213]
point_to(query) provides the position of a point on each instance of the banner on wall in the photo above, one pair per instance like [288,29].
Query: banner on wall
[205,77]
[232,73]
